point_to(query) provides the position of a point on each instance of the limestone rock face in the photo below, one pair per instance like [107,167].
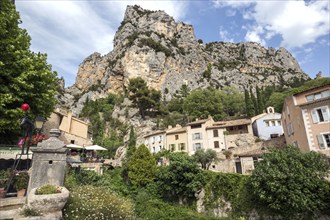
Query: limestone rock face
[166,54]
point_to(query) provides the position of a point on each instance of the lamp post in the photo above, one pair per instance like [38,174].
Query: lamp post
[38,123]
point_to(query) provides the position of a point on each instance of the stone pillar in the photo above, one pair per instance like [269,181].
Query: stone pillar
[48,162]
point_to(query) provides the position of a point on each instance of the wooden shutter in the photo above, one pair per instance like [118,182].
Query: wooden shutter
[321,141]
[325,114]
[315,117]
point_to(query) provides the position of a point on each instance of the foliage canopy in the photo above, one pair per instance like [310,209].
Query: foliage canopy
[26,77]
[289,181]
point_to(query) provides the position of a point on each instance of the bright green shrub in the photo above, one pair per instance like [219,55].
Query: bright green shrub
[90,202]
[47,189]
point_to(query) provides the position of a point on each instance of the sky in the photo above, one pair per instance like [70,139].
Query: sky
[69,31]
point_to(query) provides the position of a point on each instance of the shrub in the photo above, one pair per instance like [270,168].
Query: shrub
[48,189]
[21,180]
[90,202]
[26,212]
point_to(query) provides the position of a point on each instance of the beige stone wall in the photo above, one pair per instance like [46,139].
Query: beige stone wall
[72,129]
[305,130]
[211,139]
[182,138]
[204,138]
[293,115]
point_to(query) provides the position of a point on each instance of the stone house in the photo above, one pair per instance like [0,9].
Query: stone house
[73,130]
[155,141]
[197,134]
[306,119]
[176,139]
[267,125]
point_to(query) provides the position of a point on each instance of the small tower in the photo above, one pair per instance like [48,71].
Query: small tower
[270,110]
[48,162]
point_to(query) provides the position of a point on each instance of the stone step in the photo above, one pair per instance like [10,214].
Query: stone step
[10,206]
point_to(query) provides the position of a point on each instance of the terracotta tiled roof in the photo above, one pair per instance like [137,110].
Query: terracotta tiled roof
[155,133]
[223,124]
[179,130]
[257,152]
[198,122]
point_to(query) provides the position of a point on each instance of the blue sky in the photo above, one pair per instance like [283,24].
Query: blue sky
[69,31]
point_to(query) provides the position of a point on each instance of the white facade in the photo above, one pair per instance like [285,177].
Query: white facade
[155,142]
[268,125]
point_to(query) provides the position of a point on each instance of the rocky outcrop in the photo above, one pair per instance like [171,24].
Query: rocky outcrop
[166,54]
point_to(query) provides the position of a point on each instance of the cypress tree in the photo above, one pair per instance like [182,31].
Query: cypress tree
[260,100]
[254,102]
[248,104]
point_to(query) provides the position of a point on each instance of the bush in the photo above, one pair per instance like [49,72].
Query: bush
[48,189]
[290,182]
[90,202]
[21,180]
[27,212]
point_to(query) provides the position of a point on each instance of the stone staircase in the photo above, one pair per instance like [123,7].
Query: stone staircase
[10,206]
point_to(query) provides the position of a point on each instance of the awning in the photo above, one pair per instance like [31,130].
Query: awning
[74,146]
[14,154]
[95,147]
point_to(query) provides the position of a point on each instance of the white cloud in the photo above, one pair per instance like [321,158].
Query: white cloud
[225,35]
[69,31]
[254,34]
[297,22]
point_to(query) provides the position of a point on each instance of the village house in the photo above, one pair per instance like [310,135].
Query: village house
[73,130]
[305,119]
[267,125]
[176,139]
[197,134]
[155,141]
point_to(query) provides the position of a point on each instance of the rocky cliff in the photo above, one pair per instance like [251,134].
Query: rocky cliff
[166,54]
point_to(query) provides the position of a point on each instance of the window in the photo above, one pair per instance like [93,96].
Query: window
[324,140]
[216,144]
[182,146]
[172,147]
[196,126]
[320,114]
[279,123]
[197,136]
[240,127]
[197,146]
[176,137]
[267,123]
[215,133]
[317,96]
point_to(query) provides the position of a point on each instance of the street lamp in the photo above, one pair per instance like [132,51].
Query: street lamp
[39,122]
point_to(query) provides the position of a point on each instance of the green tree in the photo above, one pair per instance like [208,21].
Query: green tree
[260,100]
[204,102]
[254,102]
[131,145]
[248,104]
[205,158]
[181,179]
[143,98]
[233,103]
[25,76]
[289,181]
[141,167]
